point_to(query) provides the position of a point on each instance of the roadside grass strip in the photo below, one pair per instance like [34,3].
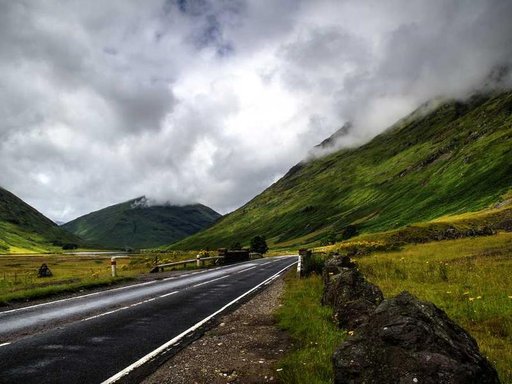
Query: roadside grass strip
[314,334]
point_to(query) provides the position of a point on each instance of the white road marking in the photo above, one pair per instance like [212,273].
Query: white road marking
[125,307]
[247,269]
[209,281]
[169,294]
[176,339]
[4,344]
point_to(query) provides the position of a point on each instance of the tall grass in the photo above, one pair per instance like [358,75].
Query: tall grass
[310,326]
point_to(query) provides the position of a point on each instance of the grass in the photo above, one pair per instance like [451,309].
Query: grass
[312,330]
[467,278]
[19,281]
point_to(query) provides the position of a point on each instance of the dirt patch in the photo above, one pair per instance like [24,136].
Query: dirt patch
[243,348]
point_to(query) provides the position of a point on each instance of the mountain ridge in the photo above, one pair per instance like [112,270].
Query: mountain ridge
[25,229]
[137,223]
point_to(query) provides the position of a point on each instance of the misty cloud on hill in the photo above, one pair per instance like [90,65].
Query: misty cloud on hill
[212,101]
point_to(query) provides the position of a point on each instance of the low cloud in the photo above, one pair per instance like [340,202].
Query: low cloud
[212,101]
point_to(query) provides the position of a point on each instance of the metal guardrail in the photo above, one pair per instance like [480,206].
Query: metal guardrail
[198,260]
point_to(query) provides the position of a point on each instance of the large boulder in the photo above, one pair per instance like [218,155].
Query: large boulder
[409,341]
[347,291]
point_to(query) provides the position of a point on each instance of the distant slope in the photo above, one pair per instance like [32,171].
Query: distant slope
[134,224]
[452,159]
[24,229]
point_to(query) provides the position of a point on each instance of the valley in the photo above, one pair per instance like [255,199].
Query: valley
[424,207]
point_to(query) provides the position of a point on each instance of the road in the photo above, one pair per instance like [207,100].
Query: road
[120,334]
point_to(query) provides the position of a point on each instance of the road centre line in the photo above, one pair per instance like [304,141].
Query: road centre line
[210,281]
[176,339]
[168,294]
[247,269]
[158,297]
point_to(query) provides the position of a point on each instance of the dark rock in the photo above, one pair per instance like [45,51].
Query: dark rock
[409,341]
[330,273]
[347,291]
[506,225]
[44,271]
[352,314]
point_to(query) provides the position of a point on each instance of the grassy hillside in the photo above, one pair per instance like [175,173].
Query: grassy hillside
[24,229]
[135,224]
[452,159]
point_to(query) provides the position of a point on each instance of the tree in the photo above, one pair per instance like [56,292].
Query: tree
[258,244]
[236,245]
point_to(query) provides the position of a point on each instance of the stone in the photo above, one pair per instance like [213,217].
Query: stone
[349,293]
[406,340]
[44,271]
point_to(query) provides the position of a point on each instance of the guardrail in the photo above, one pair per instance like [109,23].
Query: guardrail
[199,261]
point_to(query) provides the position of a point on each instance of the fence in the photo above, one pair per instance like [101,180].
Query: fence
[199,261]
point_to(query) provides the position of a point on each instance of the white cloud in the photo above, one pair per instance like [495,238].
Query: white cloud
[211,101]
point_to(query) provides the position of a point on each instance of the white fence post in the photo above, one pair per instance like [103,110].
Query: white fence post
[299,266]
[113,265]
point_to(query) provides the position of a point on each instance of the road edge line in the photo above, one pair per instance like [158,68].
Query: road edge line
[174,340]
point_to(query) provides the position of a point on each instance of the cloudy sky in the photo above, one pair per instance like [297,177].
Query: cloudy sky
[212,101]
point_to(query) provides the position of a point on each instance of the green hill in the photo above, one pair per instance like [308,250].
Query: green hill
[24,229]
[449,159]
[135,224]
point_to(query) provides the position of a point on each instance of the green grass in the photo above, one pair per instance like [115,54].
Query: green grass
[452,160]
[467,278]
[314,335]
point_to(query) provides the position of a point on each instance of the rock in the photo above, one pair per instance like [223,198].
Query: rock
[44,271]
[409,341]
[506,225]
[347,291]
[334,266]
[352,314]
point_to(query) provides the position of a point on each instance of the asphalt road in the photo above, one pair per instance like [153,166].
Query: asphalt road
[119,335]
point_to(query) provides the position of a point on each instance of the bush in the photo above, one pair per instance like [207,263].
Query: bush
[259,245]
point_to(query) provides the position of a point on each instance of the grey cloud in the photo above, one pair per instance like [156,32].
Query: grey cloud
[211,101]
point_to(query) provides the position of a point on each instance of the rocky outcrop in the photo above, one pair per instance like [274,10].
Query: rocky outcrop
[409,341]
[347,291]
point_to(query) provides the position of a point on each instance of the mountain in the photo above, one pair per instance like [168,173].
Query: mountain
[137,224]
[24,229]
[331,141]
[445,158]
